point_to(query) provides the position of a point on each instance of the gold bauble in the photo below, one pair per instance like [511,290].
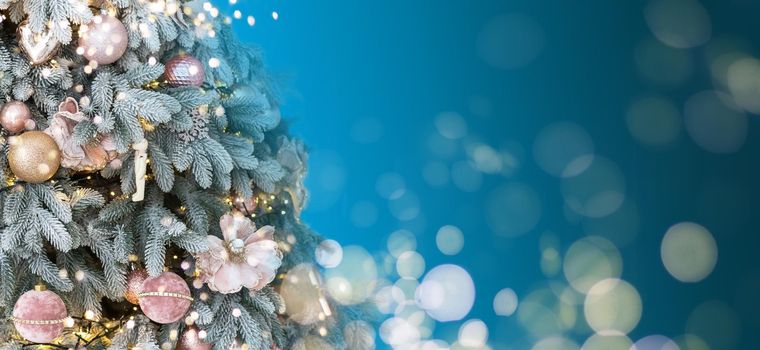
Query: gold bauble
[34,156]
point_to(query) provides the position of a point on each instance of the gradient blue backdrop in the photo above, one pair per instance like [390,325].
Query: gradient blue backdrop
[401,63]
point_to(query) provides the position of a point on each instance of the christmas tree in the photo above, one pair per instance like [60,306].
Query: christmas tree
[152,194]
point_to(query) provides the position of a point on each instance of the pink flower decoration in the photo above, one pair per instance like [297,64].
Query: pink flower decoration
[90,157]
[245,258]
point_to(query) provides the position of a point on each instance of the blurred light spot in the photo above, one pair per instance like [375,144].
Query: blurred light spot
[653,121]
[505,302]
[329,253]
[716,323]
[451,125]
[691,342]
[436,174]
[367,130]
[359,335]
[310,342]
[678,23]
[449,240]
[689,252]
[486,159]
[655,342]
[555,343]
[513,209]
[551,263]
[743,80]
[473,334]
[607,342]
[560,145]
[465,177]
[353,280]
[406,207]
[721,54]
[390,186]
[715,123]
[301,295]
[620,227]
[542,313]
[663,65]
[401,241]
[612,305]
[596,192]
[447,293]
[388,298]
[510,41]
[589,260]
[399,332]
[410,264]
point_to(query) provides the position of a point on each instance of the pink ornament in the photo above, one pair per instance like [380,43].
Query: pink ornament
[135,280]
[14,116]
[103,40]
[184,70]
[165,298]
[245,258]
[39,316]
[89,157]
[191,340]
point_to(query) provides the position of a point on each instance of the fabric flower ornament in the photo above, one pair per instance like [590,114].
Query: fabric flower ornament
[245,258]
[89,157]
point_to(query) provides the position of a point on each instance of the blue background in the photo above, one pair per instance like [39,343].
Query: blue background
[363,82]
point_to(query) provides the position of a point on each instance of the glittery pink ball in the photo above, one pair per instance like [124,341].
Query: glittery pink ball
[191,340]
[44,306]
[14,115]
[184,70]
[135,280]
[165,298]
[103,40]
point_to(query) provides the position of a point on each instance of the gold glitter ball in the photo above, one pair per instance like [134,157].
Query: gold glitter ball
[34,156]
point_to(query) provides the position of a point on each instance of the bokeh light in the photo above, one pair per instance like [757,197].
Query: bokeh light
[655,342]
[590,260]
[447,293]
[703,323]
[450,240]
[689,252]
[505,302]
[473,334]
[354,279]
[607,342]
[329,253]
[612,305]
[596,192]
[678,23]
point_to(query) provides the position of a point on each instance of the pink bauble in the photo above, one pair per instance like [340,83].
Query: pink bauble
[103,40]
[191,340]
[165,298]
[135,280]
[184,70]
[39,316]
[14,116]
